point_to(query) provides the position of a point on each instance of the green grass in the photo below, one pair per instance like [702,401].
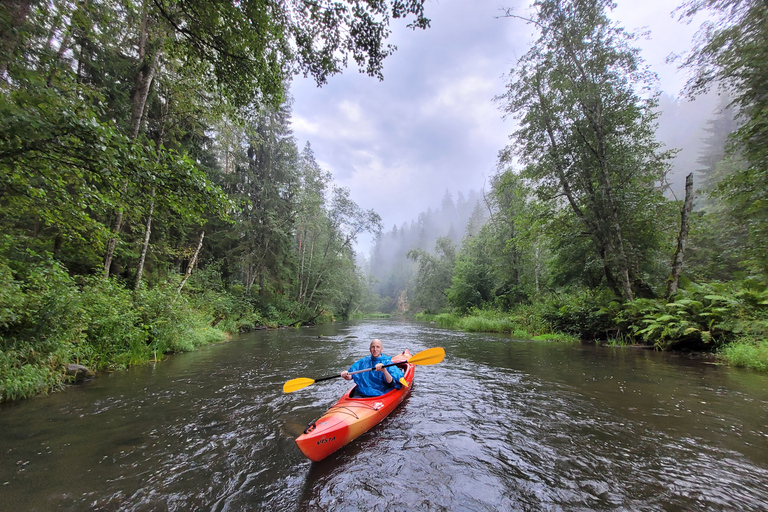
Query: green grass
[501,324]
[747,353]
[619,341]
[521,323]
[555,336]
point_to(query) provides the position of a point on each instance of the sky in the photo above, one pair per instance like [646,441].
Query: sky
[432,124]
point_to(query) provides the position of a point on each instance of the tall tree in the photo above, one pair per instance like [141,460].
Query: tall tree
[587,138]
[327,229]
[268,185]
[433,278]
[732,54]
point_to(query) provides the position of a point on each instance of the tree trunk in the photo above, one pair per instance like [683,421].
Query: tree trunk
[145,246]
[537,266]
[144,76]
[602,241]
[112,244]
[682,239]
[142,85]
[192,262]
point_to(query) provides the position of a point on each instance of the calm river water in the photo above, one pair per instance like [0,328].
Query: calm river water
[499,425]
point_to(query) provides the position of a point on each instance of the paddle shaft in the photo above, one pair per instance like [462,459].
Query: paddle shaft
[358,371]
[429,356]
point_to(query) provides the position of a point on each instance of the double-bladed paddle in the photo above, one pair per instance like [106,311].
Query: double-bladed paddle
[430,356]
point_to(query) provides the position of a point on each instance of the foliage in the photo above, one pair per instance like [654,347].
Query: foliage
[747,352]
[584,313]
[472,284]
[59,165]
[55,319]
[434,275]
[521,323]
[699,316]
[586,138]
[715,250]
[327,280]
[556,337]
[732,54]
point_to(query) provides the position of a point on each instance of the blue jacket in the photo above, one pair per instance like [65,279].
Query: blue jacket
[373,383]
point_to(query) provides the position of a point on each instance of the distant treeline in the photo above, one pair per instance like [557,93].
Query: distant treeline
[392,271]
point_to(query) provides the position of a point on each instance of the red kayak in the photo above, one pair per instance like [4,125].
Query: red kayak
[351,417]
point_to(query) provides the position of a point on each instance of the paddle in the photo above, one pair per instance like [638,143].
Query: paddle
[430,356]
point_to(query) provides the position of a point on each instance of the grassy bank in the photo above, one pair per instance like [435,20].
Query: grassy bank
[730,319]
[747,353]
[50,319]
[521,324]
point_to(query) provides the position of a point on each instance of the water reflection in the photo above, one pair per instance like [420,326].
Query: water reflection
[499,425]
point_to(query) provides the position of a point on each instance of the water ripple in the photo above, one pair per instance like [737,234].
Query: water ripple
[499,425]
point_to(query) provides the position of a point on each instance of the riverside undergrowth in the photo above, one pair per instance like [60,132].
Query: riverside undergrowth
[50,319]
[727,318]
[521,323]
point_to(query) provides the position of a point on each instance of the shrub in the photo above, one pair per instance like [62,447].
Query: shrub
[747,352]
[586,314]
[699,316]
[113,331]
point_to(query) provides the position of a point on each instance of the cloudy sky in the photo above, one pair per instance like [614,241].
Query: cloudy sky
[431,125]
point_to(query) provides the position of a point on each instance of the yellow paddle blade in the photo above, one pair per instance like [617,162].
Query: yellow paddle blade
[403,381]
[430,356]
[297,384]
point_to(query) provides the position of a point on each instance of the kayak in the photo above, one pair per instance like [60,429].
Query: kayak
[351,417]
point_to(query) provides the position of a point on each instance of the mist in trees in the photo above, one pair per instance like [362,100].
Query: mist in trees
[394,272]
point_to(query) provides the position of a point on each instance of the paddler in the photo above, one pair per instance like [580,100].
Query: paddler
[379,381]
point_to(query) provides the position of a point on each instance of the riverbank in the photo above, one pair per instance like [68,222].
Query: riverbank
[729,320]
[519,325]
[57,320]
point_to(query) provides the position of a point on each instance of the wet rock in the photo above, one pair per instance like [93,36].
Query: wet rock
[77,373]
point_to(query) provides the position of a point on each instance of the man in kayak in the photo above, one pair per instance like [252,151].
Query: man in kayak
[378,382]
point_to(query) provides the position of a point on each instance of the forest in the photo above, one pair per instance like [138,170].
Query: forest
[584,236]
[154,199]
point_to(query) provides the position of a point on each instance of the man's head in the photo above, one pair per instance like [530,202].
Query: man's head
[375,348]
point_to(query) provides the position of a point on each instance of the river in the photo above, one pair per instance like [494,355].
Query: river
[500,424]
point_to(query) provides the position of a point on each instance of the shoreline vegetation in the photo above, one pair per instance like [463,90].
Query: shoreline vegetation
[153,198]
[55,320]
[60,320]
[726,319]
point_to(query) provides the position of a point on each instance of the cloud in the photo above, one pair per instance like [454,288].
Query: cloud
[432,124]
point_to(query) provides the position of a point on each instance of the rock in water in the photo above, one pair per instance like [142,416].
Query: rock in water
[77,373]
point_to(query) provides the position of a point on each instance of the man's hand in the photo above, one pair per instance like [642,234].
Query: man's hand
[380,368]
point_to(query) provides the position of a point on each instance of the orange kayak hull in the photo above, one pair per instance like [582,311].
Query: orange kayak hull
[349,418]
